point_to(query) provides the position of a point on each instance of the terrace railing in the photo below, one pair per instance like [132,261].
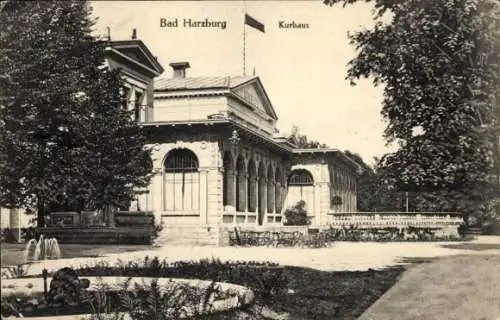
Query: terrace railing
[396,219]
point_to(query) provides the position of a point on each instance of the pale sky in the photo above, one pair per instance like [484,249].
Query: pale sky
[302,70]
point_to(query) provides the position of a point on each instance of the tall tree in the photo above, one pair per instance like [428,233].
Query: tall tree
[372,194]
[366,182]
[439,62]
[302,141]
[65,140]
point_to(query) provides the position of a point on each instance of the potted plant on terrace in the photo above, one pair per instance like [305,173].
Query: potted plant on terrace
[297,215]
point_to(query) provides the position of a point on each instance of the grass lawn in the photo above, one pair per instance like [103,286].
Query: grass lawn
[321,295]
[456,287]
[13,253]
[332,295]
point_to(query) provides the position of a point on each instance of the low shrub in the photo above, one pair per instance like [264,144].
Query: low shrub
[264,278]
[297,215]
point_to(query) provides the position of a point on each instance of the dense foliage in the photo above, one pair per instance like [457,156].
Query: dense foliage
[302,141]
[296,215]
[439,62]
[66,143]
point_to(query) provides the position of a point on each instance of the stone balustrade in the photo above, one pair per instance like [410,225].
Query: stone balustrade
[395,219]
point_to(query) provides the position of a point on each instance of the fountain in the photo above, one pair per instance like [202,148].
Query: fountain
[42,249]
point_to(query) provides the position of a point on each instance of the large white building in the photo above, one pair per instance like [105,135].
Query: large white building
[218,159]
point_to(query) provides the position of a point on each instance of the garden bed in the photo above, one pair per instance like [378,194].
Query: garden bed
[181,297]
[298,293]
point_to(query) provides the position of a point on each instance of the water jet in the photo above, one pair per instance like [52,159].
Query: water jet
[42,249]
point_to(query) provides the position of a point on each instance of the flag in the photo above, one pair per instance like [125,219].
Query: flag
[253,23]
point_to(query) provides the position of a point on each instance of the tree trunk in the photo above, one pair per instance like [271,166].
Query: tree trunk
[40,221]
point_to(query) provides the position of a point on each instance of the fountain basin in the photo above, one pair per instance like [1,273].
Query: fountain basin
[237,296]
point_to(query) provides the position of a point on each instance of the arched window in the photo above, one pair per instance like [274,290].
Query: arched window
[181,181]
[181,160]
[300,177]
[300,187]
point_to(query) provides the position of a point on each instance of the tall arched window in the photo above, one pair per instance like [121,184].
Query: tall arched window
[181,181]
[300,187]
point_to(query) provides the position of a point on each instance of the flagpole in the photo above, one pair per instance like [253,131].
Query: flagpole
[252,22]
[244,48]
[244,37]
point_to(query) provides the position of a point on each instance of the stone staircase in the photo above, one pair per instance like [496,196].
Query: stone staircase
[187,235]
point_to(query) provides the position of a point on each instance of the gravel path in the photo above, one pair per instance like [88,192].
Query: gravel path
[342,256]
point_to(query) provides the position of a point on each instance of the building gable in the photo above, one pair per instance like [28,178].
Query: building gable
[138,54]
[253,93]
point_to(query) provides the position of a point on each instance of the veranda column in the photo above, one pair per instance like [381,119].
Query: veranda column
[349,193]
[276,196]
[347,200]
[318,186]
[349,190]
[203,195]
[271,185]
[351,196]
[344,199]
[253,192]
[355,196]
[234,188]
[262,199]
[282,195]
[149,200]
